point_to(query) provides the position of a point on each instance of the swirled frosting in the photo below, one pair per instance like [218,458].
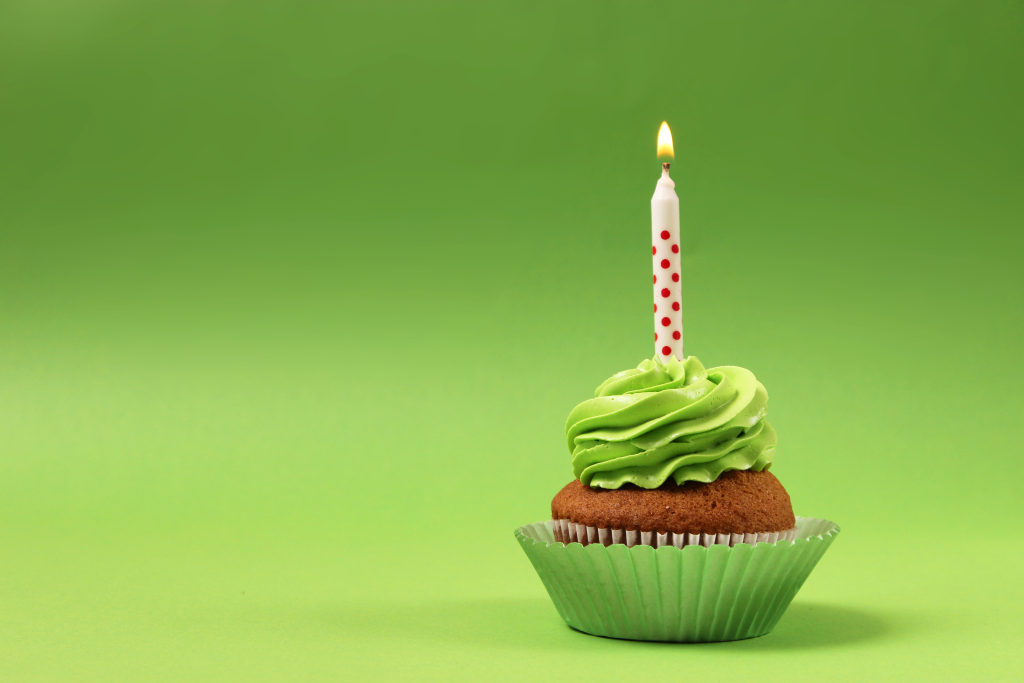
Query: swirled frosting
[673,419]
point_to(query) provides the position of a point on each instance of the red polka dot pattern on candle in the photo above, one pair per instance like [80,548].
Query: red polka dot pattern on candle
[667,323]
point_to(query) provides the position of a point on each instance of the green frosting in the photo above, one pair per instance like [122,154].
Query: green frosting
[672,419]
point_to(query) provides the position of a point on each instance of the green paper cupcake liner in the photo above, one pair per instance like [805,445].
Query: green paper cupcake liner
[693,594]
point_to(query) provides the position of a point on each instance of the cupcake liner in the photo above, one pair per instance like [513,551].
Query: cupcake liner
[691,594]
[566,531]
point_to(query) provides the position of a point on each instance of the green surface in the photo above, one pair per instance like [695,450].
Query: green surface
[295,300]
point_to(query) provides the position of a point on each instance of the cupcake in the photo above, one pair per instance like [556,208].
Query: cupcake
[674,529]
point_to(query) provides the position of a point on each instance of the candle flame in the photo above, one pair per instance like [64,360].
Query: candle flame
[665,148]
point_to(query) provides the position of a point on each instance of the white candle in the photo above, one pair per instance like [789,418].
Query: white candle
[668,301]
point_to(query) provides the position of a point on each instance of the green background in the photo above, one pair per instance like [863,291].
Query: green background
[295,299]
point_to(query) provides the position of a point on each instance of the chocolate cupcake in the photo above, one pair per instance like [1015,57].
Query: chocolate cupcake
[670,453]
[674,529]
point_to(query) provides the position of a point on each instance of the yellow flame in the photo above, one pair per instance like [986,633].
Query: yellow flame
[665,148]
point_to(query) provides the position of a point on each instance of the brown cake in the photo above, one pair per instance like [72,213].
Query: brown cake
[738,502]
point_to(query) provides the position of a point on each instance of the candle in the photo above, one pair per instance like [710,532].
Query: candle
[668,302]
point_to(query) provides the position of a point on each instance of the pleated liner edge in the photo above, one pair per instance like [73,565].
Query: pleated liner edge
[688,595]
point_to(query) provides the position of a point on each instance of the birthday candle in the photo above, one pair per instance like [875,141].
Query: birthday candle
[668,302]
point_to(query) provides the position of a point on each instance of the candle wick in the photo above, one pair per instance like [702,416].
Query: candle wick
[665,166]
